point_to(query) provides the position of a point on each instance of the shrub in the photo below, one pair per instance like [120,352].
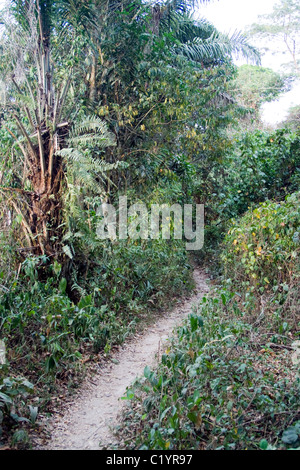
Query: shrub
[261,249]
[260,166]
[14,393]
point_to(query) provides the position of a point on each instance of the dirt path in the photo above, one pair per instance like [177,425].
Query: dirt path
[86,423]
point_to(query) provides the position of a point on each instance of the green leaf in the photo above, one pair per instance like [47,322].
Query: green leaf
[67,250]
[33,413]
[147,372]
[63,285]
[129,395]
[5,398]
[263,444]
[85,302]
[19,419]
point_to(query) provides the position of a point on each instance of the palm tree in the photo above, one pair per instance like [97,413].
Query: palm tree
[37,109]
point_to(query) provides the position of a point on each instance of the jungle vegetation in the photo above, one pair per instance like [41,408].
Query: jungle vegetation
[101,99]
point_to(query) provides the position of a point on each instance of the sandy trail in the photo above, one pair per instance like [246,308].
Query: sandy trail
[86,423]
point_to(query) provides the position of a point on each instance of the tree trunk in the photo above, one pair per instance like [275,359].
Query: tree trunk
[45,168]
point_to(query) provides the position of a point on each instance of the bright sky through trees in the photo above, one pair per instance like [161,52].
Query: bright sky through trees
[235,14]
[230,15]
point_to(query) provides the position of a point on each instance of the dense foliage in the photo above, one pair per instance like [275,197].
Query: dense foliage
[220,385]
[106,99]
[266,237]
[228,379]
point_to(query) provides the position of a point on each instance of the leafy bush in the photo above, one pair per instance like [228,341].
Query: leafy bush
[14,393]
[260,166]
[46,329]
[47,333]
[254,167]
[126,274]
[261,249]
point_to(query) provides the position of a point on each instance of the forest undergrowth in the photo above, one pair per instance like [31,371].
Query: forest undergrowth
[110,99]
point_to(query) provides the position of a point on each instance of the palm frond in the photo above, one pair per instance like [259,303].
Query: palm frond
[179,5]
[185,28]
[78,13]
[219,46]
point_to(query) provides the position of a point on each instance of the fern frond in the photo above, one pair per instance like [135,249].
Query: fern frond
[88,171]
[90,123]
[102,141]
[86,138]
